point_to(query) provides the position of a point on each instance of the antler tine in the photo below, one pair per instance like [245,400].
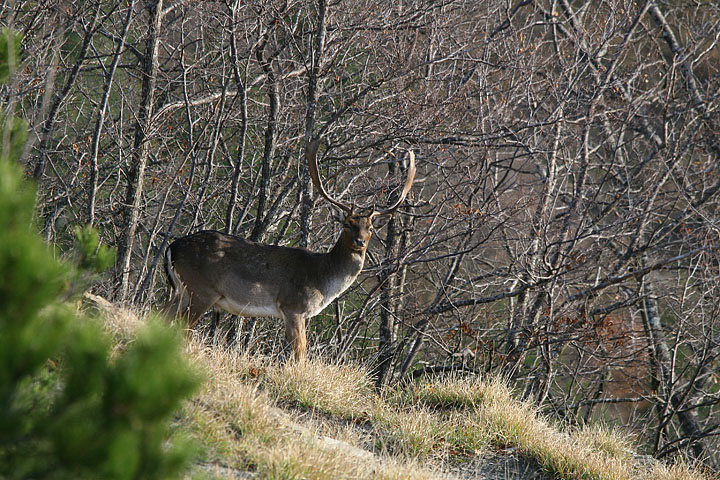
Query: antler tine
[311,149]
[408,183]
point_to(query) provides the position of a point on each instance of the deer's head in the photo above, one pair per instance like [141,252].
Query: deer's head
[357,227]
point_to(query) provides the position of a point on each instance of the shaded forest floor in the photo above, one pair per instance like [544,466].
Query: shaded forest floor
[257,418]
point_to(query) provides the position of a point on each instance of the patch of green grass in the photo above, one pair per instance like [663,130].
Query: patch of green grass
[414,433]
[467,437]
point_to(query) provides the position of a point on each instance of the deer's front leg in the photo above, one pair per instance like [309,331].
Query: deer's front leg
[295,335]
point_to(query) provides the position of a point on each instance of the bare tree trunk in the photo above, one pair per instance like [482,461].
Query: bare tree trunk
[306,193]
[141,149]
[241,83]
[390,303]
[109,79]
[664,377]
[269,149]
[210,156]
[522,314]
[49,123]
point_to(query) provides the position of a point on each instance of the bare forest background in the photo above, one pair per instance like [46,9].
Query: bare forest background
[564,227]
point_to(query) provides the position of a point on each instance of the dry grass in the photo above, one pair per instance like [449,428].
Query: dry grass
[237,416]
[256,415]
[489,407]
[341,390]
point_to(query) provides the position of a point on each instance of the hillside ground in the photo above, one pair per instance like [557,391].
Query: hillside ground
[258,418]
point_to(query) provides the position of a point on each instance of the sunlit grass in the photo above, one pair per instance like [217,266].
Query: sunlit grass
[249,416]
[452,392]
[341,390]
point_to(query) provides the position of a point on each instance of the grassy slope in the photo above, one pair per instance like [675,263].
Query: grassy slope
[259,419]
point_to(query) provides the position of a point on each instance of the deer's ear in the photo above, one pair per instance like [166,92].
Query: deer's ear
[379,222]
[340,216]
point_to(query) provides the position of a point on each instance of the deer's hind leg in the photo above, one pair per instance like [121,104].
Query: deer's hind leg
[189,306]
[198,305]
[177,304]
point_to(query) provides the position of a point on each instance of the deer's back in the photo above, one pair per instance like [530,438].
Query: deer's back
[249,278]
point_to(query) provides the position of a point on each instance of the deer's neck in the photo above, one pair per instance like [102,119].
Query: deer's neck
[348,261]
[343,265]
[338,270]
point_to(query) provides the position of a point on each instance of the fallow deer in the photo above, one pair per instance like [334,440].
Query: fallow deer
[209,269]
